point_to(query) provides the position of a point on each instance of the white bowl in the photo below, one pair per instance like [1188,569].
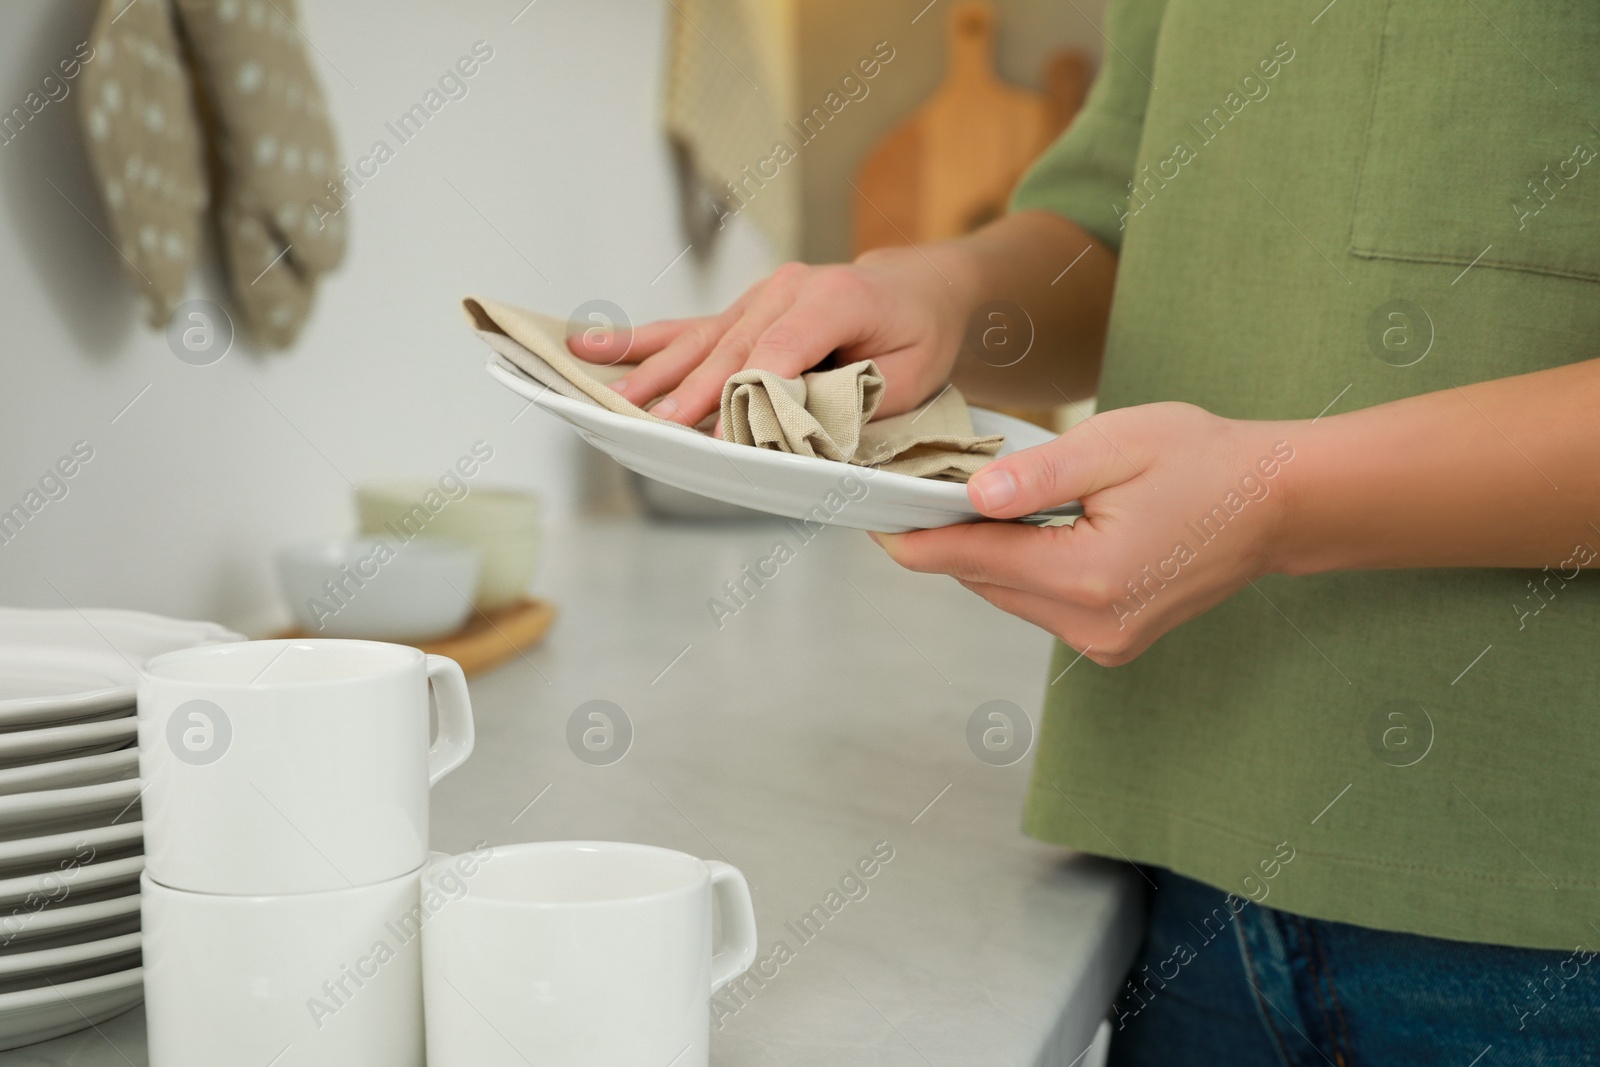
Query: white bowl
[503,524]
[380,588]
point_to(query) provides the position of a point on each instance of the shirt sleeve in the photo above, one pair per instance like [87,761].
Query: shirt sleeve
[1084,175]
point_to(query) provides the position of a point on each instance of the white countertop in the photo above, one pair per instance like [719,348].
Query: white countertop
[827,715]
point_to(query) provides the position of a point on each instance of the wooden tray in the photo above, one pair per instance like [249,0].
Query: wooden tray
[488,639]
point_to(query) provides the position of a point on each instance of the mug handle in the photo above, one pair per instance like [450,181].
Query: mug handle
[454,743]
[732,893]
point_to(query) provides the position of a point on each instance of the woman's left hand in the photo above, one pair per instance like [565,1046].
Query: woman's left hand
[1181,509]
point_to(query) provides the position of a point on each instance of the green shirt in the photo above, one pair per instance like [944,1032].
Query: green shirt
[1321,207]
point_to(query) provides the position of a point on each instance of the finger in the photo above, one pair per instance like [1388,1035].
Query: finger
[1079,462]
[1036,559]
[837,311]
[1051,615]
[1093,632]
[833,309]
[907,383]
[607,346]
[700,392]
[1085,630]
[601,345]
[658,375]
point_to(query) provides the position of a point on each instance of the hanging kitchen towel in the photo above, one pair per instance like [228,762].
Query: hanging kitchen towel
[144,148]
[726,95]
[277,197]
[826,414]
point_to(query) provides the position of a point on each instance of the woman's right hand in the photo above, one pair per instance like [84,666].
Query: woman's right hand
[893,306]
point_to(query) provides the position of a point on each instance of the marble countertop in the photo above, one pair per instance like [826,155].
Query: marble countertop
[817,716]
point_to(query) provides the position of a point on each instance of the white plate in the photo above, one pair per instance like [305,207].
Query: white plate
[122,711]
[31,853]
[797,487]
[47,961]
[26,682]
[57,665]
[72,970]
[49,1011]
[66,923]
[33,814]
[51,743]
[74,881]
[78,770]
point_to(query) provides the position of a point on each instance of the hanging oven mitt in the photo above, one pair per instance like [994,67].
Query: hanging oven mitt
[278,215]
[144,147]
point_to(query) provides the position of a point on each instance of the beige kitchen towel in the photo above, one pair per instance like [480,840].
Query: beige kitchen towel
[827,414]
[277,202]
[729,85]
[145,149]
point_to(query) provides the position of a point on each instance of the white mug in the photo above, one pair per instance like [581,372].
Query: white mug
[310,979]
[578,953]
[294,766]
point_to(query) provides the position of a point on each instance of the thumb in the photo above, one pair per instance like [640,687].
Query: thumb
[1079,462]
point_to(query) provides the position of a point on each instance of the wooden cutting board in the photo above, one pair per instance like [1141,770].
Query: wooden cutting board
[950,167]
[488,639]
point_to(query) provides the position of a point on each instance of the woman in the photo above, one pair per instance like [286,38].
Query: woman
[1340,507]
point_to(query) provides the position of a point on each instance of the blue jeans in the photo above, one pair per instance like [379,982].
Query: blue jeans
[1223,981]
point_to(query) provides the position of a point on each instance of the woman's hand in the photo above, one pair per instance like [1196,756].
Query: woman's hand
[893,306]
[1181,510]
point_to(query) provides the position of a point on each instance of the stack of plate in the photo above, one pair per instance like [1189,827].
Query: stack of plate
[71,844]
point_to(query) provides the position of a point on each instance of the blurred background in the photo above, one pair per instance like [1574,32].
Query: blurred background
[580,162]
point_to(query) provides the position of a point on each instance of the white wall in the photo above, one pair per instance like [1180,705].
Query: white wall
[193,489]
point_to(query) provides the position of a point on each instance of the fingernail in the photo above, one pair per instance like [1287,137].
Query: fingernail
[667,409]
[620,386]
[994,489]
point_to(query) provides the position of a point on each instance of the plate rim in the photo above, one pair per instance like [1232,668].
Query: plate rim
[15,710]
[110,759]
[121,725]
[70,992]
[129,942]
[71,917]
[913,504]
[96,879]
[39,801]
[554,402]
[69,839]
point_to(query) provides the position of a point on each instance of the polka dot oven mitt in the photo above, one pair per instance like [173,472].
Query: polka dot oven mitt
[145,150]
[275,148]
[252,98]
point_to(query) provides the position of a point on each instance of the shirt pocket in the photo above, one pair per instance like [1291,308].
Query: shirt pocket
[1482,148]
